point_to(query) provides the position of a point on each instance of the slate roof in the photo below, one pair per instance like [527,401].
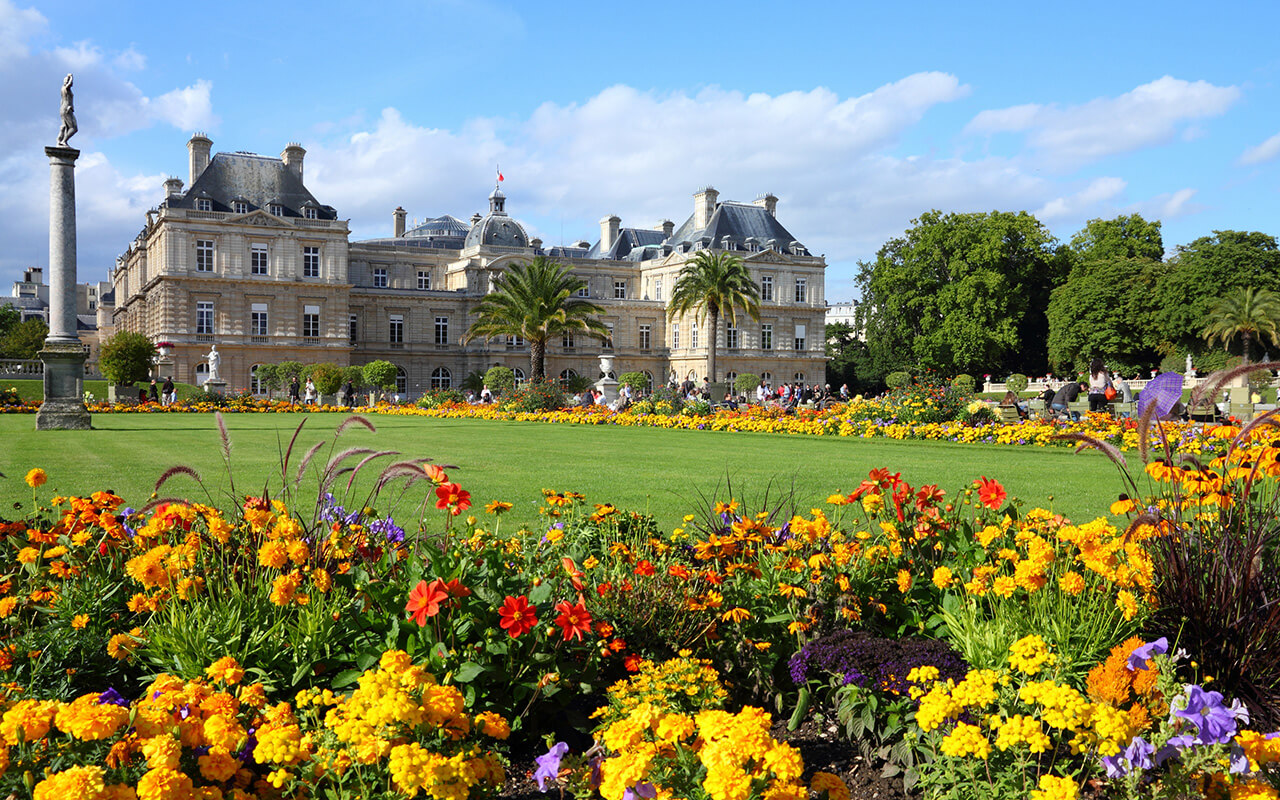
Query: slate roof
[497,229]
[628,241]
[258,180]
[738,221]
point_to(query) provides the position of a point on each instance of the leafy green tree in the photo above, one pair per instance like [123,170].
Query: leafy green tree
[9,319]
[1204,271]
[847,357]
[1247,314]
[1126,236]
[636,380]
[535,300]
[269,377]
[25,339]
[500,380]
[746,383]
[328,378]
[961,293]
[354,374]
[289,370]
[381,374]
[126,358]
[713,284]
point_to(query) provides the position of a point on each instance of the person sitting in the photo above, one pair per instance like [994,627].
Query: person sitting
[486,396]
[1011,400]
[729,401]
[1066,395]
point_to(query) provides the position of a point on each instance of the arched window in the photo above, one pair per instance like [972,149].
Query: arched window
[648,381]
[402,382]
[799,377]
[440,378]
[202,373]
[567,376]
[767,377]
[731,378]
[255,385]
[519,373]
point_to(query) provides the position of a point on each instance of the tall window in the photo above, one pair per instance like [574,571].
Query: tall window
[241,207]
[800,332]
[619,290]
[766,288]
[645,331]
[584,291]
[353,328]
[767,377]
[731,378]
[802,290]
[648,382]
[440,378]
[255,383]
[380,277]
[442,330]
[608,342]
[731,338]
[799,377]
[766,337]
[424,279]
[675,337]
[693,334]
[402,381]
[204,317]
[567,341]
[566,376]
[311,322]
[258,319]
[657,289]
[204,255]
[397,329]
[519,375]
[311,262]
[258,259]
[276,209]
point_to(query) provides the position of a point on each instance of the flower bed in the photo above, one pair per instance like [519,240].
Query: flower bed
[387,644]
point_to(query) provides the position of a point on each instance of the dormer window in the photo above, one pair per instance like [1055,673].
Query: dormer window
[310,212]
[240,207]
[204,204]
[275,209]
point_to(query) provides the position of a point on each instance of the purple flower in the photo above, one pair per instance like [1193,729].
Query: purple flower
[1139,753]
[1239,761]
[1116,766]
[113,698]
[1142,653]
[388,528]
[549,764]
[1173,747]
[1214,722]
[641,789]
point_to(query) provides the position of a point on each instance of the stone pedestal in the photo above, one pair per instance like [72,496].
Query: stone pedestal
[63,407]
[164,367]
[215,386]
[607,385]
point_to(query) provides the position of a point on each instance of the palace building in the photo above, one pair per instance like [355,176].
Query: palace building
[248,259]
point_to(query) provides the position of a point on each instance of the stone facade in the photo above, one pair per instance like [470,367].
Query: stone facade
[246,258]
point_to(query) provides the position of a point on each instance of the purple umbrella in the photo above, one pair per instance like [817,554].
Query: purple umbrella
[1165,392]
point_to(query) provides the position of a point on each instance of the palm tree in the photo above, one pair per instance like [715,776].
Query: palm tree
[1246,313]
[536,301]
[714,283]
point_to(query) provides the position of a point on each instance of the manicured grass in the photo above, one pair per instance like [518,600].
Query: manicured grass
[665,472]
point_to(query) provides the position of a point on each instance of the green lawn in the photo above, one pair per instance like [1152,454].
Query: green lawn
[34,389]
[664,472]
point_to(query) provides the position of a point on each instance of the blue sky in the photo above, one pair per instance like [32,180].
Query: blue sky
[858,116]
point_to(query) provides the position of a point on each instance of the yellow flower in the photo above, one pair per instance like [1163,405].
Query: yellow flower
[79,621]
[1071,582]
[942,577]
[226,670]
[1053,787]
[36,478]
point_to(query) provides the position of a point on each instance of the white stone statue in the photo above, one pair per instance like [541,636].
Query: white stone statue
[214,360]
[69,126]
[1190,369]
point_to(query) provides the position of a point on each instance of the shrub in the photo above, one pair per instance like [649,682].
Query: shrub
[327,378]
[438,397]
[289,370]
[963,383]
[126,357]
[746,383]
[696,408]
[381,374]
[500,380]
[1017,382]
[354,374]
[542,395]
[666,401]
[897,380]
[636,380]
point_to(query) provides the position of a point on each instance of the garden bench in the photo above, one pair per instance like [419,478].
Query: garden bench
[1009,414]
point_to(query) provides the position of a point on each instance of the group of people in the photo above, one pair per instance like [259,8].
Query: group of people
[165,394]
[1101,388]
[306,395]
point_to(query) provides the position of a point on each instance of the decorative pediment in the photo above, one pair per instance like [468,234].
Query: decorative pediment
[261,219]
[767,257]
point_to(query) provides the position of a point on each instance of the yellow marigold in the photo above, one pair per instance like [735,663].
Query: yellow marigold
[122,645]
[273,554]
[1053,787]
[942,577]
[1003,586]
[227,670]
[1253,790]
[988,535]
[904,582]
[321,579]
[86,720]
[493,725]
[218,765]
[27,721]
[299,551]
[79,621]
[1071,582]
[284,589]
[825,782]
[965,740]
[36,478]
[1127,603]
[164,784]
[162,752]
[7,605]
[76,782]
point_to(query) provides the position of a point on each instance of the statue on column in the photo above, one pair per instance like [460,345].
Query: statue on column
[69,126]
[214,358]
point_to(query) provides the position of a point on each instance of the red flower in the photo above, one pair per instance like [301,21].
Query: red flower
[518,617]
[604,588]
[990,493]
[679,571]
[453,497]
[632,663]
[644,568]
[425,600]
[574,620]
[456,589]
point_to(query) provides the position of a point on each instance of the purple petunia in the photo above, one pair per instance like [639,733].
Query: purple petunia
[388,529]
[1142,653]
[1214,722]
[112,698]
[549,764]
[641,789]
[1137,756]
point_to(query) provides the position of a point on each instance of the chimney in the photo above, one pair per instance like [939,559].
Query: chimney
[292,158]
[535,243]
[667,227]
[475,219]
[172,187]
[704,205]
[198,149]
[398,217]
[609,232]
[768,202]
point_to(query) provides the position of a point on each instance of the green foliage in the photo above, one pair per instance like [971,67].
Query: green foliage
[1245,313]
[381,374]
[534,395]
[746,384]
[712,284]
[963,384]
[961,293]
[474,381]
[1105,307]
[354,374]
[9,318]
[126,357]
[636,380]
[537,301]
[1125,237]
[1017,383]
[25,339]
[289,370]
[500,380]
[328,378]
[438,397]
[897,380]
[269,376]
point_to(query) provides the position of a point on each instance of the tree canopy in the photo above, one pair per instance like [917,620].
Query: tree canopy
[713,284]
[962,293]
[126,358]
[1245,313]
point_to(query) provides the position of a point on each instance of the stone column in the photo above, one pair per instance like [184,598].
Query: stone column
[63,355]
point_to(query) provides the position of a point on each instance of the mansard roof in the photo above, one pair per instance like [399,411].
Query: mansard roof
[629,240]
[739,222]
[258,180]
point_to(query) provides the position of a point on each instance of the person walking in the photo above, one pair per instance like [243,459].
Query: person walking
[294,390]
[1099,383]
[310,396]
[167,392]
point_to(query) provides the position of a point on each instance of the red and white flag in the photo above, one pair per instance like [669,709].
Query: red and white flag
[500,178]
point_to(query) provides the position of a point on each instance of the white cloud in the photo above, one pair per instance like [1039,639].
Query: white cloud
[1085,202]
[186,108]
[1262,153]
[130,60]
[1151,114]
[1167,206]
[17,26]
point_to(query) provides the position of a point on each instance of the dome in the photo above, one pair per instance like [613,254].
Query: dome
[499,230]
[440,226]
